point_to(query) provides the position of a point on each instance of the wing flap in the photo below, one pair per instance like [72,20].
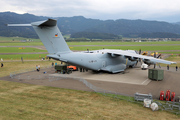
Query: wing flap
[134,55]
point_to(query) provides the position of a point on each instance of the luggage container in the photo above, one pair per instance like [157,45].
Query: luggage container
[156,74]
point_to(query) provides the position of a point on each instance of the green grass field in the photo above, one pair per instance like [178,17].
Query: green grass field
[84,48]
[122,43]
[173,52]
[27,102]
[25,56]
[88,43]
[20,50]
[16,39]
[66,36]
[170,45]
[143,48]
[18,65]
[174,58]
[21,44]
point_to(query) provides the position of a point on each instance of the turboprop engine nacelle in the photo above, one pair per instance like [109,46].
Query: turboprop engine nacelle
[133,58]
[113,55]
[149,62]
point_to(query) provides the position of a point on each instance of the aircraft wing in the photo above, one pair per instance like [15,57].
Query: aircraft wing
[137,56]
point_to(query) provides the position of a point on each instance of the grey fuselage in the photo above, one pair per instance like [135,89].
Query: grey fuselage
[96,60]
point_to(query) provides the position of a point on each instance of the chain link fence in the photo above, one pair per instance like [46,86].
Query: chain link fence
[17,74]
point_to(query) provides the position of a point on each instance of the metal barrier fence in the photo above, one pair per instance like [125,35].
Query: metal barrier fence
[141,97]
[30,77]
[15,73]
[173,107]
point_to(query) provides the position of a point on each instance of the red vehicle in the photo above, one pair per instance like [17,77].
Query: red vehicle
[173,96]
[72,67]
[167,95]
[161,97]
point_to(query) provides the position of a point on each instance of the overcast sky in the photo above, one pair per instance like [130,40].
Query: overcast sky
[160,10]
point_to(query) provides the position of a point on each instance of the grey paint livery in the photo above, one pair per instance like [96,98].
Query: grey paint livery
[106,60]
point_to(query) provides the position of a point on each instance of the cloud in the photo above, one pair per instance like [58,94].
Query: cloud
[101,9]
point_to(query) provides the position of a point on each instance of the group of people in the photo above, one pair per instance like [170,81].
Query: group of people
[168,67]
[38,68]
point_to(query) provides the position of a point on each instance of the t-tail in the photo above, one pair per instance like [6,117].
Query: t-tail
[50,35]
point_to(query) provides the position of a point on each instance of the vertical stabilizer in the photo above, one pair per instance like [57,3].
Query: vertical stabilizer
[50,35]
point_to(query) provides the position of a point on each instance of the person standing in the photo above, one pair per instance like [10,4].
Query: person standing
[2,65]
[167,67]
[22,59]
[52,64]
[176,68]
[37,68]
[1,59]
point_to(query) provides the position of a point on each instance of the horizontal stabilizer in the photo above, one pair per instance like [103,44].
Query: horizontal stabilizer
[19,25]
[47,23]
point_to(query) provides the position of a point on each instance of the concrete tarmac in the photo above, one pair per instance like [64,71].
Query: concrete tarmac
[134,80]
[131,76]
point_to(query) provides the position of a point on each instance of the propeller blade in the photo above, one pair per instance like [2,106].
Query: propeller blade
[159,55]
[159,65]
[154,54]
[136,51]
[140,61]
[137,62]
[139,51]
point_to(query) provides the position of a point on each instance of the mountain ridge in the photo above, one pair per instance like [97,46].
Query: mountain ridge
[70,25]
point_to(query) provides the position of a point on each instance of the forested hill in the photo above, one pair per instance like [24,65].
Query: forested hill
[123,26]
[70,25]
[92,35]
[13,18]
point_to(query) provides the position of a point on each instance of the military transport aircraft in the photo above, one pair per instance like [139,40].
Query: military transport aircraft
[99,60]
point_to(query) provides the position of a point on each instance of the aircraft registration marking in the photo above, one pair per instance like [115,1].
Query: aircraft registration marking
[92,61]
